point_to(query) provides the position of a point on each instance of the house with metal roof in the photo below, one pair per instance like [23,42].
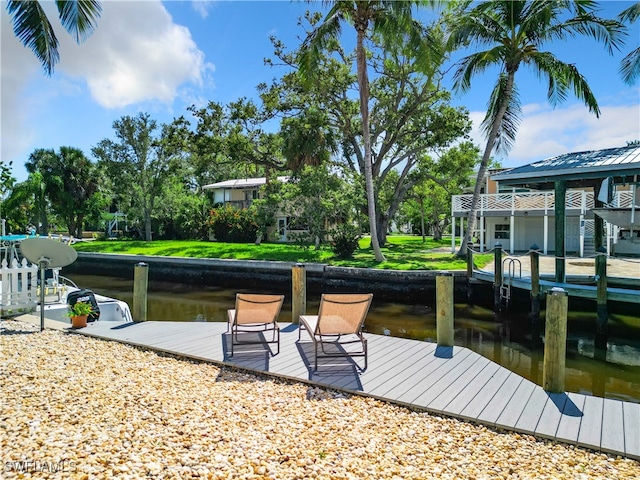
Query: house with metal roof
[563,204]
[240,193]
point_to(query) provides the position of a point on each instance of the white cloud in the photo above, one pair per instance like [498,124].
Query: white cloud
[546,132]
[18,65]
[202,7]
[137,54]
[137,57]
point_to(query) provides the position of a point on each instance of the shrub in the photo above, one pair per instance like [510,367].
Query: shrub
[344,240]
[231,224]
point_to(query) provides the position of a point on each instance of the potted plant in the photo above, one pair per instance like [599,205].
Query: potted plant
[78,312]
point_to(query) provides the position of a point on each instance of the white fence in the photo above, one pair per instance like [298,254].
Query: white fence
[529,201]
[18,287]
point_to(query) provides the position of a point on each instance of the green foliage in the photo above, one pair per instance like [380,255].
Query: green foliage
[79,309]
[140,166]
[344,240]
[267,206]
[314,200]
[230,224]
[188,219]
[67,179]
[409,112]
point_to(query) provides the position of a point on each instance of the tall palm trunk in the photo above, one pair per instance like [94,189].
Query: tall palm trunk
[491,140]
[363,86]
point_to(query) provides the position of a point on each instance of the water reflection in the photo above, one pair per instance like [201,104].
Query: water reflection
[507,339]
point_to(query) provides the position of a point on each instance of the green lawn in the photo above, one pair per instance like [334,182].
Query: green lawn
[402,252]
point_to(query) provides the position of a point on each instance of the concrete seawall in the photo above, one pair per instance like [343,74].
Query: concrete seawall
[270,276]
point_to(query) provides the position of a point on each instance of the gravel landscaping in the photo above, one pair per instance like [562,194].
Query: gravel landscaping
[77,407]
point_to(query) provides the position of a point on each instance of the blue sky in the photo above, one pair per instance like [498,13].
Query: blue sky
[161,57]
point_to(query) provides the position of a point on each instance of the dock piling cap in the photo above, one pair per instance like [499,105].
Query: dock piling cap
[558,291]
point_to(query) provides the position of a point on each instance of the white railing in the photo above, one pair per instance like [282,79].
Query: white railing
[18,287]
[528,201]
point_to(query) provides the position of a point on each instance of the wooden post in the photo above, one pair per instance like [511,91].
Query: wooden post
[601,302]
[560,210]
[298,292]
[555,346]
[469,272]
[534,253]
[444,309]
[469,260]
[497,277]
[140,284]
[598,222]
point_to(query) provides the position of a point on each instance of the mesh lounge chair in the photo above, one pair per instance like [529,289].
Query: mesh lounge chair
[255,313]
[339,322]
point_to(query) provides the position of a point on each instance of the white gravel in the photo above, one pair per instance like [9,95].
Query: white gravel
[76,407]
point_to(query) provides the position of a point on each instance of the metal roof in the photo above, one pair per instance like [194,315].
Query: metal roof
[577,168]
[241,183]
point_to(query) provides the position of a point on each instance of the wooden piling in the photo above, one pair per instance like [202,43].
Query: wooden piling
[298,292]
[601,298]
[469,273]
[497,276]
[534,254]
[140,285]
[444,309]
[560,210]
[469,260]
[555,346]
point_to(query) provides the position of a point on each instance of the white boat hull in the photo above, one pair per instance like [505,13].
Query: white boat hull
[111,309]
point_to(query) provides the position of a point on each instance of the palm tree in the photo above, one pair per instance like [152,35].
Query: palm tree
[393,22]
[32,27]
[514,33]
[630,64]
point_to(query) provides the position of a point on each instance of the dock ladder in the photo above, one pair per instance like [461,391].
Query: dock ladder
[509,269]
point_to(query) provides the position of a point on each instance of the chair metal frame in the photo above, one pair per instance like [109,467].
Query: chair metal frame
[314,322]
[270,324]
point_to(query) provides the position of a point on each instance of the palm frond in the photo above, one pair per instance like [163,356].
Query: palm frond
[609,32]
[33,29]
[79,17]
[630,14]
[508,117]
[562,78]
[630,67]
[318,40]
[475,64]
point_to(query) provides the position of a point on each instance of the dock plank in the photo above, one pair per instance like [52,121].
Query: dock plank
[512,410]
[467,394]
[457,378]
[631,420]
[612,436]
[423,380]
[407,363]
[530,416]
[551,415]
[490,401]
[569,426]
[591,426]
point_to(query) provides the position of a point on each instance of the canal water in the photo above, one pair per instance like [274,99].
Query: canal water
[506,339]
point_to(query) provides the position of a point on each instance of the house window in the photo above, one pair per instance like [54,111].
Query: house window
[502,231]
[250,194]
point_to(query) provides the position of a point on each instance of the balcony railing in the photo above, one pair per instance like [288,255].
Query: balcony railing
[533,201]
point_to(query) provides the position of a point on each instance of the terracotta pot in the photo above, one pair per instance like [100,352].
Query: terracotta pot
[79,321]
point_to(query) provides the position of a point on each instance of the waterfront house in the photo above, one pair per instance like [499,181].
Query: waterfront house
[518,207]
[240,193]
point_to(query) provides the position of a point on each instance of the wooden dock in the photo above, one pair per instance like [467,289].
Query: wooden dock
[573,289]
[451,381]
